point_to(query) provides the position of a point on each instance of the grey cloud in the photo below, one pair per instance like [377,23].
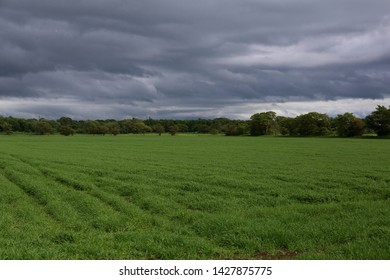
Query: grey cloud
[173,57]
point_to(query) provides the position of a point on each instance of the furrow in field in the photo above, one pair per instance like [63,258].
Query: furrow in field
[155,225]
[35,196]
[199,193]
[67,207]
[27,230]
[155,209]
[136,213]
[118,207]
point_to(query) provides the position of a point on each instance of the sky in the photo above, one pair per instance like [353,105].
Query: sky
[185,59]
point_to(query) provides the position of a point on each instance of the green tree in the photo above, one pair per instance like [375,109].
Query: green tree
[158,128]
[348,125]
[263,124]
[173,129]
[43,127]
[66,130]
[221,123]
[286,125]
[182,127]
[231,130]
[30,125]
[134,126]
[140,127]
[6,127]
[125,126]
[312,124]
[113,128]
[379,121]
[237,128]
[101,129]
[202,128]
[66,121]
[91,127]
[214,131]
[14,124]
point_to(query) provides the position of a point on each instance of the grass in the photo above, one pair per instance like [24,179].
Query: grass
[194,197]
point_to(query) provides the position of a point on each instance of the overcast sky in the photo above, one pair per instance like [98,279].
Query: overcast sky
[97,59]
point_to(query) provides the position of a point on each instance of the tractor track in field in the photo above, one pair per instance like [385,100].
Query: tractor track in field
[125,207]
[92,191]
[61,182]
[30,193]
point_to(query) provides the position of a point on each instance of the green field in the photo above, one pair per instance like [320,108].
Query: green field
[193,197]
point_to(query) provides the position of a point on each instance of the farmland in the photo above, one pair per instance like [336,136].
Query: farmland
[193,197]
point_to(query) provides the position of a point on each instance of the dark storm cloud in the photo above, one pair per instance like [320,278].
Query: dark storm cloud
[175,58]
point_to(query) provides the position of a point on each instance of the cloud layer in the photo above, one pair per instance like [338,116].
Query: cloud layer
[189,59]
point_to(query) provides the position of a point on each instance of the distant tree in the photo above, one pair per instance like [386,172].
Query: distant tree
[236,128]
[125,126]
[358,127]
[101,129]
[216,128]
[202,128]
[151,122]
[43,127]
[173,130]
[91,127]
[312,124]
[24,125]
[66,130]
[232,130]
[30,125]
[55,125]
[113,128]
[213,131]
[182,127]
[263,124]
[199,125]
[66,121]
[134,126]
[221,123]
[7,128]
[348,125]
[140,127]
[286,125]
[379,120]
[167,124]
[158,128]
[266,123]
[14,123]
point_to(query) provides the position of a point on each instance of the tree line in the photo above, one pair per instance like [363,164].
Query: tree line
[264,123]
